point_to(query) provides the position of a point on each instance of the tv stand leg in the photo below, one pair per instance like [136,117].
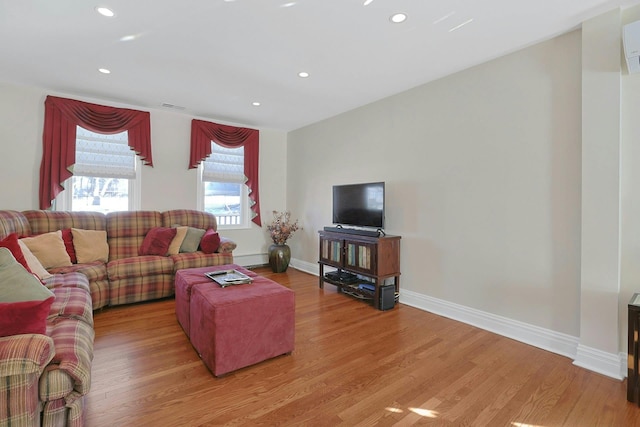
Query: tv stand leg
[321,278]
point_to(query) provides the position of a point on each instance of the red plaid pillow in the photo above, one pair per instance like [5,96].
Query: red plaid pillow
[157,241]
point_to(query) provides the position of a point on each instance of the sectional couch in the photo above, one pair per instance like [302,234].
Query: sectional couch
[45,376]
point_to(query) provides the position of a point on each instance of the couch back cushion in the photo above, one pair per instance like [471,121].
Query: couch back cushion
[13,222]
[47,221]
[126,231]
[191,218]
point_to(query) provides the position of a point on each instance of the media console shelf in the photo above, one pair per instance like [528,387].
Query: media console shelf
[373,259]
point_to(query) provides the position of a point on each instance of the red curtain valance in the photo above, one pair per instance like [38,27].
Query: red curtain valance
[202,133]
[61,116]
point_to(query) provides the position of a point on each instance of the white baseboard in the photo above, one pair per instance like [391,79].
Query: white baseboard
[609,364]
[251,259]
[545,339]
[307,267]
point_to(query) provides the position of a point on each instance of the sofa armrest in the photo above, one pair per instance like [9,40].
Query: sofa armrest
[25,354]
[226,245]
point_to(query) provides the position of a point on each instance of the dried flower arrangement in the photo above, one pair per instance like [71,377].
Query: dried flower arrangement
[282,228]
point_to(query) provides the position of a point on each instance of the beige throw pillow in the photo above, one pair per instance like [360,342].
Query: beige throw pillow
[49,249]
[34,265]
[174,247]
[90,245]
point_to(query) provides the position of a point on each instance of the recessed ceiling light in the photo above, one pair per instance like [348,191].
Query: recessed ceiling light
[255,104]
[303,74]
[397,18]
[289,4]
[367,2]
[105,11]
[128,38]
[104,71]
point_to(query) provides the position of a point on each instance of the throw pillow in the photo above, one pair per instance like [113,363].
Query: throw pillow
[34,265]
[157,241]
[24,302]
[226,245]
[11,242]
[192,239]
[67,238]
[174,247]
[90,245]
[210,241]
[49,249]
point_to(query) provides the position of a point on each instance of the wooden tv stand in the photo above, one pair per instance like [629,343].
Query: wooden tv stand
[375,258]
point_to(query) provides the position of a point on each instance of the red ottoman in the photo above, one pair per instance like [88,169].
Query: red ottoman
[186,279]
[236,326]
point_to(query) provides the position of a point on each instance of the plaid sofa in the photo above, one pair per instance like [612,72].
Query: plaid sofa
[43,378]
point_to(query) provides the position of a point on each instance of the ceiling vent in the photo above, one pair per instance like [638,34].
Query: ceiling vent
[172,106]
[631,43]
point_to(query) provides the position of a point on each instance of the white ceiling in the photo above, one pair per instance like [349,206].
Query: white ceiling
[216,57]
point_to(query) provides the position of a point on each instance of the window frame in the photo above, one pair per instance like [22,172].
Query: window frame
[64,200]
[244,202]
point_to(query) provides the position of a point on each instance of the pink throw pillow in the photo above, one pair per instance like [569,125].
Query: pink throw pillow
[11,242]
[210,241]
[24,302]
[157,241]
[24,317]
[67,238]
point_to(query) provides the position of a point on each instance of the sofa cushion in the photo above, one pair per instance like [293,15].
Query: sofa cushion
[210,241]
[92,277]
[157,241]
[139,266]
[72,303]
[14,222]
[73,297]
[200,259]
[126,231]
[191,241]
[67,239]
[24,301]
[90,245]
[49,249]
[96,270]
[34,265]
[44,221]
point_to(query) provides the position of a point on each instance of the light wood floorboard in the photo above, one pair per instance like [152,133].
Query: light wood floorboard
[352,366]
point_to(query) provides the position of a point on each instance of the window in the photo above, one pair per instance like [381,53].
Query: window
[105,175]
[222,189]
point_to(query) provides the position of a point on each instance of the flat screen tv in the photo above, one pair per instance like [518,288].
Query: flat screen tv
[360,205]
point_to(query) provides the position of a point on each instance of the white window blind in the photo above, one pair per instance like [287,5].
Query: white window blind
[224,165]
[107,156]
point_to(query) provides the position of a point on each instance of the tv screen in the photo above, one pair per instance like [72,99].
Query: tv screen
[359,204]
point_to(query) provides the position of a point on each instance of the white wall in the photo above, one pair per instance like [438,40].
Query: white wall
[168,185]
[630,187]
[482,172]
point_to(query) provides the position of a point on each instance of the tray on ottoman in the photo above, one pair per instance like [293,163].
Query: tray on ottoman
[235,326]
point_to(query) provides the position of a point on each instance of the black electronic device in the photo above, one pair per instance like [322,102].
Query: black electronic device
[387,297]
[360,205]
[358,231]
[341,276]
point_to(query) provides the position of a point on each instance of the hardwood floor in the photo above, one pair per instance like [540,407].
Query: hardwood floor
[352,366]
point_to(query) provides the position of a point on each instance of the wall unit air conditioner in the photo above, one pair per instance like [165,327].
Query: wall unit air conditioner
[631,43]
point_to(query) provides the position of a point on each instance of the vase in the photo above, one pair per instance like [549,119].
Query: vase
[279,257]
